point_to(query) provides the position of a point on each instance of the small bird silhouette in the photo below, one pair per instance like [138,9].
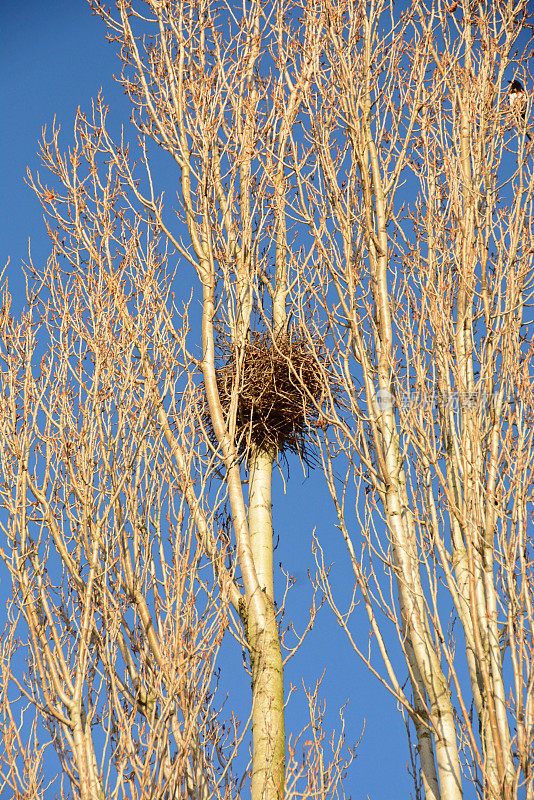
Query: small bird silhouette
[517,98]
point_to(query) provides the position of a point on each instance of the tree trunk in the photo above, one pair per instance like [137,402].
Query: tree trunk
[268,760]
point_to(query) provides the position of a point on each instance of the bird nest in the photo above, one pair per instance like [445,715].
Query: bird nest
[279,384]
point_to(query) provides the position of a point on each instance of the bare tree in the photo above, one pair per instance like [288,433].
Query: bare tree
[355,201]
[137,457]
[427,305]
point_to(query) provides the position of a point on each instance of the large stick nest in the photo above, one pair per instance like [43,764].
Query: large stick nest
[280,386]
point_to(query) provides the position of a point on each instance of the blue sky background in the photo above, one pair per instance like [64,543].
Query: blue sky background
[54,58]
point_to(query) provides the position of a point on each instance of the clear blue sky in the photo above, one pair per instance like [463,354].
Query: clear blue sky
[54,58]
